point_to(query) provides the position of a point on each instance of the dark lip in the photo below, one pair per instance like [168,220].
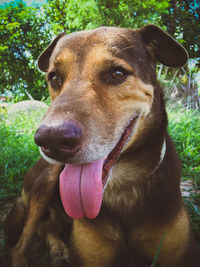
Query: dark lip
[115,153]
[59,154]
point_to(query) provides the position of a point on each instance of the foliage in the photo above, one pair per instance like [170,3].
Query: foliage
[55,13]
[184,129]
[23,37]
[18,151]
[133,14]
[181,86]
[75,15]
[182,21]
[26,31]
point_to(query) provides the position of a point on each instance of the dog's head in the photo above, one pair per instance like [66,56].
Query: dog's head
[103,86]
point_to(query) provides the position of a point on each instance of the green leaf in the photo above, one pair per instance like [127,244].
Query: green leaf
[158,251]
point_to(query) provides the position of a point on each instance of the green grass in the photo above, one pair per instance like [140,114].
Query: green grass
[184,128]
[18,151]
[158,251]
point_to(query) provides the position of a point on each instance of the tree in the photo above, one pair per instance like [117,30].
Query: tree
[23,37]
[73,15]
[55,13]
[26,31]
[179,17]
[132,14]
[182,22]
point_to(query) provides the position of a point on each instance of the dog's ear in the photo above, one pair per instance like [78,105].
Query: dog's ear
[163,47]
[43,60]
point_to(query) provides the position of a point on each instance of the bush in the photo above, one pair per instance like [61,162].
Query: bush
[18,150]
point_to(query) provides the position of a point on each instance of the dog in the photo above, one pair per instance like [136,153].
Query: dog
[104,143]
[35,213]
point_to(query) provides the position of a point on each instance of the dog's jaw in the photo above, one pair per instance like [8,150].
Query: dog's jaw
[82,185]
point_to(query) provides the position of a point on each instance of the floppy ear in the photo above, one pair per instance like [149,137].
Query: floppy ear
[43,60]
[163,47]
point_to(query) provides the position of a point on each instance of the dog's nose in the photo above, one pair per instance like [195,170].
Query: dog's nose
[60,141]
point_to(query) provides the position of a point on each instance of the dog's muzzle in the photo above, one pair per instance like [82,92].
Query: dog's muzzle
[81,184]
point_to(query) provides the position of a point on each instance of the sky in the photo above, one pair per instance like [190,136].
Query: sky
[28,2]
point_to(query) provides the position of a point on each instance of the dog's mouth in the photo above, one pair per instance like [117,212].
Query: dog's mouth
[114,154]
[81,185]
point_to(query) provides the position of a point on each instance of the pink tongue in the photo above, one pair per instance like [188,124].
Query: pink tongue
[81,189]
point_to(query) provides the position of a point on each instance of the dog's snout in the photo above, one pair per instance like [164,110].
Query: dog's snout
[60,141]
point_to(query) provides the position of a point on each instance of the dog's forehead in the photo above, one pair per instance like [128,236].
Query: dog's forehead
[119,42]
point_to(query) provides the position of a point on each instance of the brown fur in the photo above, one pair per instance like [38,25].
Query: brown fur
[142,200]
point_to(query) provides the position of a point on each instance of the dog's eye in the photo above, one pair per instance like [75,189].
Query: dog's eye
[54,79]
[117,75]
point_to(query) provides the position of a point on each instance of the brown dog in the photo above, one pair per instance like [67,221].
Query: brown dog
[107,126]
